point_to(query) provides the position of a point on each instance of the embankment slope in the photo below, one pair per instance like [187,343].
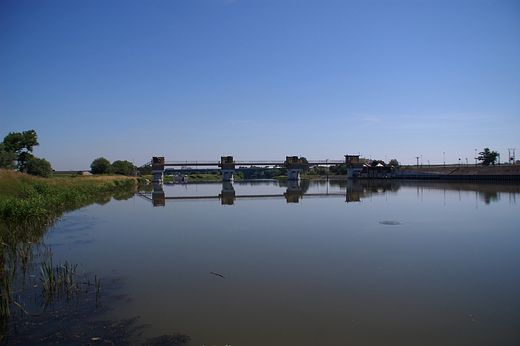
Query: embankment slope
[466,170]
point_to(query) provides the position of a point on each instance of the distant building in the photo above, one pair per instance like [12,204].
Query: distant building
[181,178]
[378,171]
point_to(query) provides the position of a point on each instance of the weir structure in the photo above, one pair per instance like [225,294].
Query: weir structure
[227,164]
[356,167]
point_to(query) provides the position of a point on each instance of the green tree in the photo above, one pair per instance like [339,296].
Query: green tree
[7,158]
[320,170]
[39,167]
[338,169]
[100,166]
[122,167]
[303,159]
[146,170]
[395,163]
[22,145]
[487,157]
[23,158]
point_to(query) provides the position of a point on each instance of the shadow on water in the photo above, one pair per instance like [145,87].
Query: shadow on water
[80,321]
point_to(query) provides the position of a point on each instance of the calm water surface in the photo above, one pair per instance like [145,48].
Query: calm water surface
[346,264]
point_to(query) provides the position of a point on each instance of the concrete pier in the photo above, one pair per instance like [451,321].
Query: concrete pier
[354,165]
[294,167]
[228,168]
[158,168]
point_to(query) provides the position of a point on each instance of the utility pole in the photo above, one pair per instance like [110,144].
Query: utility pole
[417,157]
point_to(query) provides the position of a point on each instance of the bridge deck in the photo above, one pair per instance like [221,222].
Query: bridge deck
[251,163]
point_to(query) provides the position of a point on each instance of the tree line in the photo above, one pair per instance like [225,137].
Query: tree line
[16,154]
[103,166]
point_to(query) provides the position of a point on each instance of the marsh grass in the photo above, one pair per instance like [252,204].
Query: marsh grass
[63,282]
[47,284]
[15,273]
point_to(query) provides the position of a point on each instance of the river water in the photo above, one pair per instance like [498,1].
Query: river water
[315,263]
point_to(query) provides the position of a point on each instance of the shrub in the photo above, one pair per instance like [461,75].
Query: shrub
[39,167]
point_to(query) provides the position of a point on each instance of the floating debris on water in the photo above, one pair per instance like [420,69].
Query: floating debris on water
[173,339]
[389,222]
[217,274]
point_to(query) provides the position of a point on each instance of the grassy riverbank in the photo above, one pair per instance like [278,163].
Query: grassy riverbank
[26,199]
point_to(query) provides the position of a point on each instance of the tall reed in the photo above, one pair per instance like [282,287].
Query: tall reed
[54,283]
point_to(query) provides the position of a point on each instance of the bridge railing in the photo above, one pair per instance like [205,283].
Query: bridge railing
[192,163]
[325,162]
[251,163]
[149,163]
[261,162]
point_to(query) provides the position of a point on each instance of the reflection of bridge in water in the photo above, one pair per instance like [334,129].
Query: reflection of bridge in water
[293,194]
[355,190]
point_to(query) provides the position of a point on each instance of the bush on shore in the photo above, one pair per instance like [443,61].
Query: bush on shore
[39,167]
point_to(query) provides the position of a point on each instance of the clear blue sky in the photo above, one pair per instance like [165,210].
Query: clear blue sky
[194,80]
